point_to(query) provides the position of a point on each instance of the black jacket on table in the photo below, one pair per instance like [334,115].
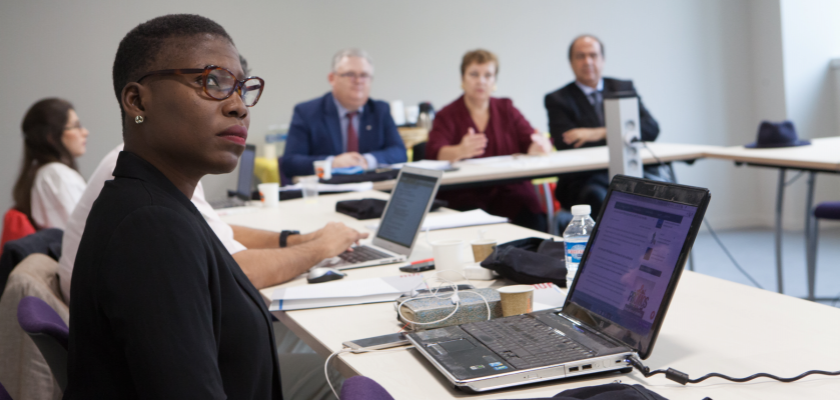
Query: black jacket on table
[569,108]
[159,308]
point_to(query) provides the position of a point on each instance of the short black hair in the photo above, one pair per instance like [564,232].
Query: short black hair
[140,46]
[572,45]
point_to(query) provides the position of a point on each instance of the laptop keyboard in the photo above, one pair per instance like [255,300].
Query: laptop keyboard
[362,254]
[525,342]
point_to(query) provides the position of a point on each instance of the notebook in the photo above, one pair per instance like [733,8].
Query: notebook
[400,224]
[244,182]
[614,309]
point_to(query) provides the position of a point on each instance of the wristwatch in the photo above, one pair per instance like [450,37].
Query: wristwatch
[284,236]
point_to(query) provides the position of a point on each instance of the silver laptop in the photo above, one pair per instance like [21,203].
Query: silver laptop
[245,180]
[614,309]
[400,225]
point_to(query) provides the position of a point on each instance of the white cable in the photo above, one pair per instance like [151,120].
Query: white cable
[346,350]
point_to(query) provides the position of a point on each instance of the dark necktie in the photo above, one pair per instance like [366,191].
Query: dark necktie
[352,137]
[599,106]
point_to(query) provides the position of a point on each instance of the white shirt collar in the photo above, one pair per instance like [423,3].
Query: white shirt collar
[588,90]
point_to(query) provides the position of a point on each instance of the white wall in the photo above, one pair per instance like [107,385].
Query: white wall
[693,61]
[811,38]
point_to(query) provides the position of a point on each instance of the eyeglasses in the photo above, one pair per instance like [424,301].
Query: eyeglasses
[219,83]
[364,76]
[77,125]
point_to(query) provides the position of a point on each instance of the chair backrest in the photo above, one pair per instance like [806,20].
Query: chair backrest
[4,395]
[15,226]
[48,331]
[363,388]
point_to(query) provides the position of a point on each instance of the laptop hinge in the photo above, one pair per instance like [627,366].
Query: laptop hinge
[594,331]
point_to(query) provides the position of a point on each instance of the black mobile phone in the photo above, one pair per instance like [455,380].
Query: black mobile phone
[377,342]
[418,267]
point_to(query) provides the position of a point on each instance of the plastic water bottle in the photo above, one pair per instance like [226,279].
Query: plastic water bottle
[576,235]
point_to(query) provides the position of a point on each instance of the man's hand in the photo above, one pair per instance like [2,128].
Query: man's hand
[349,159]
[472,144]
[336,237]
[578,136]
[539,144]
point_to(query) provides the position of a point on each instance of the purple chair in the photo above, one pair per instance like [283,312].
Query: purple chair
[4,395]
[49,332]
[363,388]
[826,210]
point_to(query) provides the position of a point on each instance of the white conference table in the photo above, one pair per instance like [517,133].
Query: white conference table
[712,326]
[575,160]
[823,155]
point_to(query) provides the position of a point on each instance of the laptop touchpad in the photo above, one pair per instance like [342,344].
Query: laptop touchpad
[457,345]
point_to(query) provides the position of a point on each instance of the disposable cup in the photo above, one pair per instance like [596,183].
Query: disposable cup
[517,299]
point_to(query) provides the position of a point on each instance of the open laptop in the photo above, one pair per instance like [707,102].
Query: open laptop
[614,309]
[401,222]
[244,182]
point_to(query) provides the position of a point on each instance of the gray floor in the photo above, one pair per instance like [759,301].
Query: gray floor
[754,250]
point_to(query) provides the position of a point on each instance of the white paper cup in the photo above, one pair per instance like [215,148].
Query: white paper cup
[309,187]
[269,194]
[449,259]
[323,169]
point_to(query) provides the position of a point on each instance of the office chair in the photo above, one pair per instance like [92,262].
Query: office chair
[49,332]
[827,210]
[363,388]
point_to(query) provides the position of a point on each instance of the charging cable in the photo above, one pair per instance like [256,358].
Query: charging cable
[682,378]
[346,350]
[455,298]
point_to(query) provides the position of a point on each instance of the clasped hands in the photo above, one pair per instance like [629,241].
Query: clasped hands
[473,144]
[350,159]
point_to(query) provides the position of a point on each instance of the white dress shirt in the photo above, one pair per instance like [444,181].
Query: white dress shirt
[56,190]
[76,225]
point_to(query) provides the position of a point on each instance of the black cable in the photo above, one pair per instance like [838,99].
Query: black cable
[682,378]
[712,231]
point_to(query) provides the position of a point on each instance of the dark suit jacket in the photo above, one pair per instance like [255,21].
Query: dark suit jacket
[315,134]
[568,108]
[159,308]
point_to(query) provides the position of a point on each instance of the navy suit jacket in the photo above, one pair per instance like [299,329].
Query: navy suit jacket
[315,134]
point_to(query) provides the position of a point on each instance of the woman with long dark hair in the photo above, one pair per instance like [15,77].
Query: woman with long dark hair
[49,184]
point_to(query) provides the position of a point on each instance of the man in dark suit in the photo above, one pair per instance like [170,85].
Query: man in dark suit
[344,127]
[576,119]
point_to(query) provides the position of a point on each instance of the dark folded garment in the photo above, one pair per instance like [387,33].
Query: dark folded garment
[529,261]
[371,176]
[371,208]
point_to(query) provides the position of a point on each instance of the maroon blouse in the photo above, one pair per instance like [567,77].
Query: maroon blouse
[508,132]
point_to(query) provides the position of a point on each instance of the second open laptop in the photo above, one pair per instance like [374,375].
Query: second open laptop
[244,182]
[614,309]
[402,219]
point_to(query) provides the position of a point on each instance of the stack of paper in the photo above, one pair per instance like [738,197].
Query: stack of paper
[547,296]
[343,293]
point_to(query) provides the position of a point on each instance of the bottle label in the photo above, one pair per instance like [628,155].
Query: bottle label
[574,250]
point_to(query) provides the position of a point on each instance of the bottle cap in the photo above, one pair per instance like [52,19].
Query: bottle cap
[581,209]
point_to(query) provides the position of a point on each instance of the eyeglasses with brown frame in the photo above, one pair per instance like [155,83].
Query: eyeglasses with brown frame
[219,83]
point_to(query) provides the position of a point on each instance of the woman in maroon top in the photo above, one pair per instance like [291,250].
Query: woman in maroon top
[477,125]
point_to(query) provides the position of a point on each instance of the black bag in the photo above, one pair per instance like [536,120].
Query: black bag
[609,391]
[529,261]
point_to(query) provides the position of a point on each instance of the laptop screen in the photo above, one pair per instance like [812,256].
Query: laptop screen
[406,208]
[246,172]
[633,256]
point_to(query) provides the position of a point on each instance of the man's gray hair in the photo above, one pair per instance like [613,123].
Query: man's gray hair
[352,52]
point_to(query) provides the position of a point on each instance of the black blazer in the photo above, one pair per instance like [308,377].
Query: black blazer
[568,108]
[159,308]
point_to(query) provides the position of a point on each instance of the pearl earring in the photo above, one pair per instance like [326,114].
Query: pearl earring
[138,119]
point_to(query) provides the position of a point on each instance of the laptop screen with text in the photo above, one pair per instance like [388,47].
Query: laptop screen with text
[634,254]
[406,208]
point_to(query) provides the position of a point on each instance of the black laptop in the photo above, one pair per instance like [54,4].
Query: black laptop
[614,309]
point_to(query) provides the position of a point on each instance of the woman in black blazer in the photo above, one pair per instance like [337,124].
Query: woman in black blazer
[159,308]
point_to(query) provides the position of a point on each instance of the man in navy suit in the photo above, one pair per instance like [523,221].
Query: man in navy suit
[344,127]
[576,119]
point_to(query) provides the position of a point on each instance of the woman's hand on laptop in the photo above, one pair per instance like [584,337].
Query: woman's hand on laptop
[336,237]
